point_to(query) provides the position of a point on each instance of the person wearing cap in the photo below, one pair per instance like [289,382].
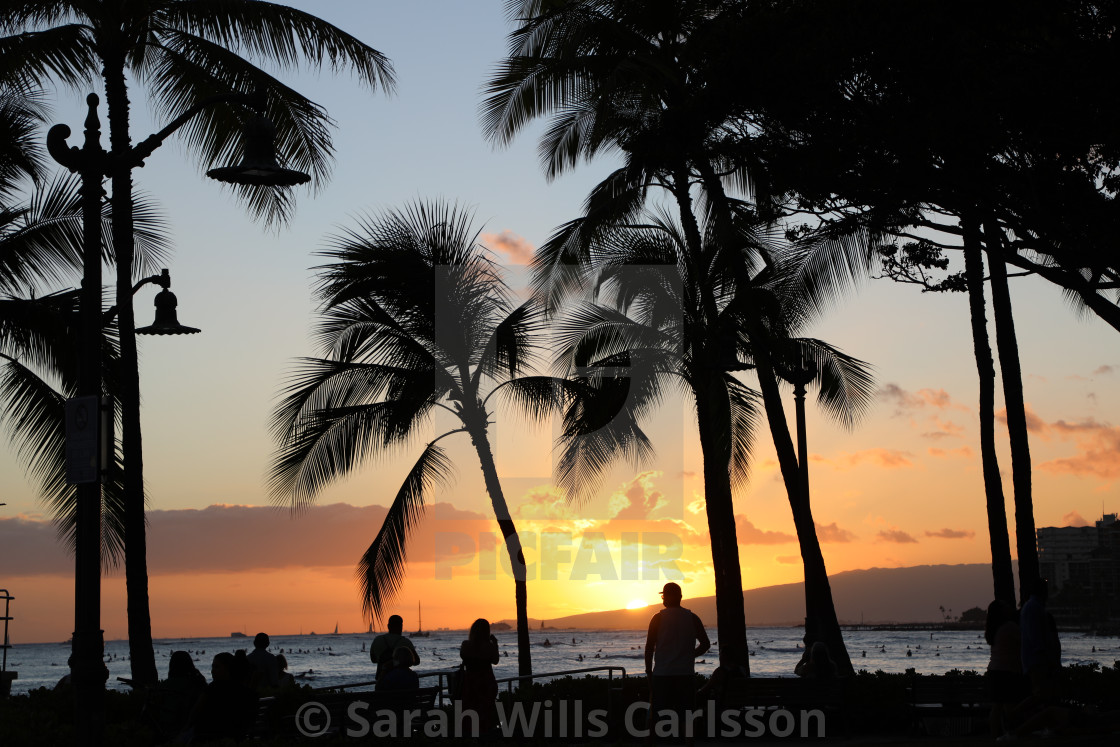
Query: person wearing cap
[676,637]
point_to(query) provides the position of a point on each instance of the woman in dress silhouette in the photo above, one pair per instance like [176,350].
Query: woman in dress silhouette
[480,688]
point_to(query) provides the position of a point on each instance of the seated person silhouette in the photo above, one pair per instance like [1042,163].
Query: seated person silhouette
[228,705]
[818,665]
[400,677]
[178,694]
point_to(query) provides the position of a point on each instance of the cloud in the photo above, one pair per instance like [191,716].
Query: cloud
[895,535]
[242,538]
[833,533]
[748,534]
[1074,519]
[1104,370]
[1098,446]
[945,429]
[952,533]
[879,457]
[903,400]
[637,499]
[963,451]
[1035,424]
[545,503]
[515,248]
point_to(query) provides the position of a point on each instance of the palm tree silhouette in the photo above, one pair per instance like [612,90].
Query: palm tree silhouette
[636,78]
[415,318]
[651,334]
[184,51]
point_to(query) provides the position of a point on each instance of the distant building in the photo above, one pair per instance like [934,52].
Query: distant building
[1083,567]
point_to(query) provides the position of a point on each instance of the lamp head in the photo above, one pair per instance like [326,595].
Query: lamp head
[259,166]
[167,321]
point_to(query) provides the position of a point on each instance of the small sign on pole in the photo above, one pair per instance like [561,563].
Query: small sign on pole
[83,440]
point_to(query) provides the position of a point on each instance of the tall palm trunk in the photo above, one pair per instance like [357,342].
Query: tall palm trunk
[1008,348]
[714,416]
[141,651]
[1003,577]
[713,411]
[820,611]
[476,427]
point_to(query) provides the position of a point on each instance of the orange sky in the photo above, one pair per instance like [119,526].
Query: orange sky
[903,488]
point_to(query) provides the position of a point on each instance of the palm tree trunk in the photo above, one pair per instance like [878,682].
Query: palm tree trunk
[820,611]
[1003,577]
[714,415]
[141,650]
[1008,348]
[481,441]
[713,412]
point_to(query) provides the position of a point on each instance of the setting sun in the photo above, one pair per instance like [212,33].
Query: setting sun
[636,604]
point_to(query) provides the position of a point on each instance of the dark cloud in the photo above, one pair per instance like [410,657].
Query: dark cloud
[895,535]
[904,401]
[747,533]
[1103,370]
[240,538]
[952,533]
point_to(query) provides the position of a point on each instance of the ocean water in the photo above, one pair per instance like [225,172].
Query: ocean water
[330,660]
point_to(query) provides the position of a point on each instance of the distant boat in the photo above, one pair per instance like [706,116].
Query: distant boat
[420,632]
[236,634]
[370,628]
[335,628]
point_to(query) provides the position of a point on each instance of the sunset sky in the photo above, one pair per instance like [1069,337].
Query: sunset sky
[903,488]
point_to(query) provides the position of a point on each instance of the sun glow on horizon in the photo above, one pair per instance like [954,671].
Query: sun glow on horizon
[636,604]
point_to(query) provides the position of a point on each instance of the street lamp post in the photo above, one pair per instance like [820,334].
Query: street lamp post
[801,377]
[86,446]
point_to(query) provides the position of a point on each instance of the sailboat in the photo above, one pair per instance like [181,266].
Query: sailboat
[420,632]
[335,628]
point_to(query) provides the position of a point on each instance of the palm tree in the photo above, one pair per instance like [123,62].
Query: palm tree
[655,330]
[415,319]
[185,51]
[614,76]
[633,77]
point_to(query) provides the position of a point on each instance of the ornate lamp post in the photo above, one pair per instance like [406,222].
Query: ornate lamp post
[87,444]
[801,377]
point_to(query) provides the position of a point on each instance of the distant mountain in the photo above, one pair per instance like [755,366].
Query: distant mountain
[875,595]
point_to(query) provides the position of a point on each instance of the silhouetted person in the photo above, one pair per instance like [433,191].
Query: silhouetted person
[401,676]
[178,694]
[383,646]
[732,666]
[819,664]
[286,679]
[1041,648]
[266,670]
[227,707]
[676,636]
[480,688]
[1005,670]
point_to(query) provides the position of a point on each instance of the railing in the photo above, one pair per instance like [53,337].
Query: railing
[609,670]
[442,674]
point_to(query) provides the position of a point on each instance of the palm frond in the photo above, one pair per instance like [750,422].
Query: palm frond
[381,570]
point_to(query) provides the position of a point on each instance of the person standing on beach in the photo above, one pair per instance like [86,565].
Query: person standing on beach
[383,646]
[266,670]
[675,638]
